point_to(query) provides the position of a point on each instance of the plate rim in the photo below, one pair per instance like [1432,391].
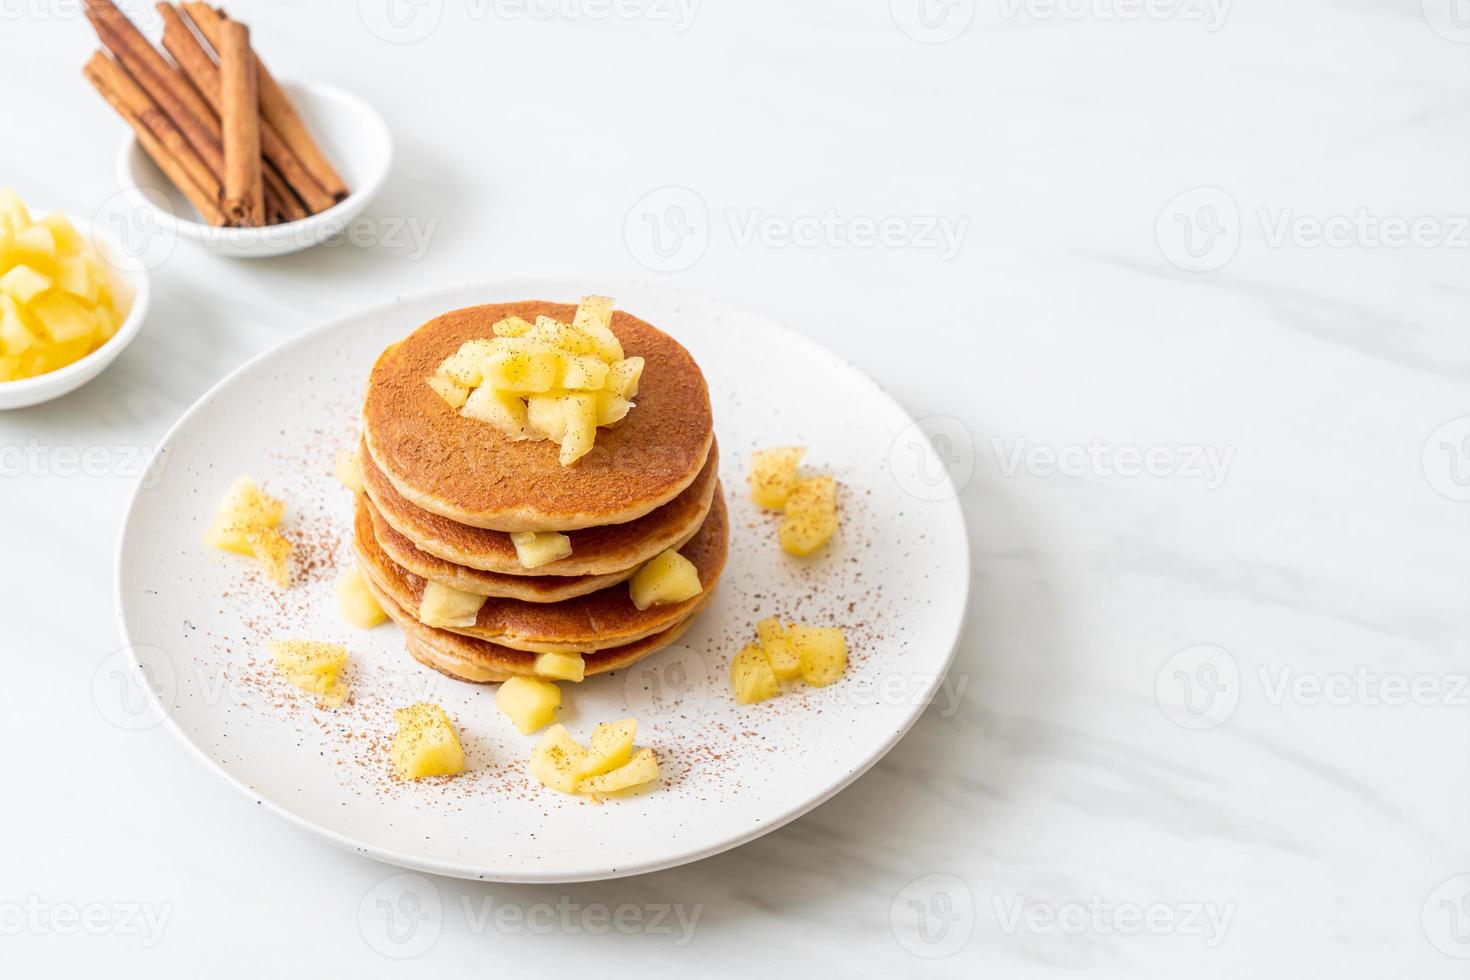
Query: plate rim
[450,869]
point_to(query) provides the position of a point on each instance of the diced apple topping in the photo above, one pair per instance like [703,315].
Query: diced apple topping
[447,607]
[811,516]
[815,654]
[560,666]
[313,666]
[349,469]
[608,765]
[537,548]
[772,472]
[359,606]
[545,380]
[245,523]
[529,703]
[665,579]
[426,743]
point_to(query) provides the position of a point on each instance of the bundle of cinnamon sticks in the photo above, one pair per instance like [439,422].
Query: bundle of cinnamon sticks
[212,118]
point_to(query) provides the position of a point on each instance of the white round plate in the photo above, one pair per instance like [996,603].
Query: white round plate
[197,621]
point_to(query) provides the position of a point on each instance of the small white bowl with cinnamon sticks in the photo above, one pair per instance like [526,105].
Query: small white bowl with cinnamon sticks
[246,165]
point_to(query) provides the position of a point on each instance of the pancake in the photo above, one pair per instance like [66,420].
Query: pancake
[468,659]
[603,619]
[473,473]
[527,588]
[595,550]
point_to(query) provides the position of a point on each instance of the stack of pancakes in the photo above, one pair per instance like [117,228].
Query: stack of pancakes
[442,494]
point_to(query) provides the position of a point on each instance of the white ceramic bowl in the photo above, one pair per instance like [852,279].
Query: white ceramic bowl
[349,131]
[129,287]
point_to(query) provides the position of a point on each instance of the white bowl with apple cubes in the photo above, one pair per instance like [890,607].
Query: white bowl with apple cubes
[68,303]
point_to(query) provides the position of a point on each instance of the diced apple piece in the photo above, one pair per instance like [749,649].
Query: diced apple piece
[822,651]
[444,606]
[772,475]
[557,759]
[642,768]
[752,677]
[500,409]
[313,666]
[583,372]
[561,666]
[13,208]
[24,283]
[464,364]
[665,579]
[74,275]
[358,605]
[546,417]
[63,317]
[426,743]
[35,247]
[811,515]
[274,551]
[10,368]
[594,319]
[511,326]
[519,372]
[580,412]
[611,408]
[244,506]
[609,747]
[623,377]
[537,548]
[529,703]
[776,644]
[15,335]
[560,336]
[68,240]
[453,393]
[348,468]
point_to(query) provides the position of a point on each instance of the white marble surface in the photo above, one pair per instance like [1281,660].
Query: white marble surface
[1323,542]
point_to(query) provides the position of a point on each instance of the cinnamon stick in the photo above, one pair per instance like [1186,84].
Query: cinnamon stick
[275,106]
[199,67]
[164,85]
[157,135]
[281,203]
[240,120]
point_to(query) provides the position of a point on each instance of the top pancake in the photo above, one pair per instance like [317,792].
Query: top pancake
[472,473]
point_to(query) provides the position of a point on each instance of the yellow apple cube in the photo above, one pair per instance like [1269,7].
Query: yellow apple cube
[822,651]
[537,548]
[529,703]
[244,506]
[274,551]
[594,319]
[426,743]
[511,326]
[13,209]
[313,666]
[35,247]
[752,677]
[772,475]
[611,408]
[518,372]
[560,666]
[348,468]
[356,601]
[557,760]
[560,336]
[446,607]
[453,393]
[64,318]
[667,578]
[69,241]
[546,417]
[75,275]
[583,372]
[580,411]
[623,377]
[811,515]
[499,409]
[15,333]
[641,769]
[24,283]
[464,364]
[609,747]
[774,641]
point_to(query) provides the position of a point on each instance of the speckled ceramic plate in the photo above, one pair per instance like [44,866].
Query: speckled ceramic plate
[196,621]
